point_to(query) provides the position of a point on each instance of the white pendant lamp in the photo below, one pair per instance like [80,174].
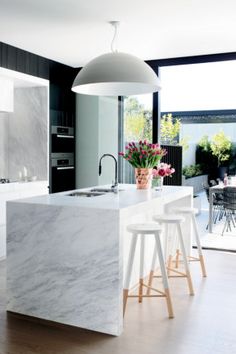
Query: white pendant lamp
[116,74]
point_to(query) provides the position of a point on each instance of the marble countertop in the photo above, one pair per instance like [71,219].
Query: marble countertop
[66,256]
[17,185]
[128,196]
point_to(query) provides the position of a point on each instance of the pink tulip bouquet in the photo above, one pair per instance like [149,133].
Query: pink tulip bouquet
[143,154]
[159,172]
[162,170]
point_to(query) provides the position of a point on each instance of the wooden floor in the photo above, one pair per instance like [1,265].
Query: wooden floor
[204,324]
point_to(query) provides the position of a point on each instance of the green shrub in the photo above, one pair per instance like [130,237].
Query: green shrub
[192,171]
[221,147]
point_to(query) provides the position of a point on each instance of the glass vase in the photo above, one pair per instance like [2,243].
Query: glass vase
[157,183]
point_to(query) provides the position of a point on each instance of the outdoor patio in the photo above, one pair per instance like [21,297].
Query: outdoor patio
[214,240]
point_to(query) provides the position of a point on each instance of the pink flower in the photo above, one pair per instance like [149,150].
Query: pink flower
[155,173]
[121,154]
[162,172]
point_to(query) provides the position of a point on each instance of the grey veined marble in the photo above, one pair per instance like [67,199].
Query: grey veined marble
[60,269]
[24,134]
[66,255]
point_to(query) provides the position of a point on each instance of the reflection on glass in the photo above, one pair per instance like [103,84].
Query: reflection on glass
[137,125]
[138,118]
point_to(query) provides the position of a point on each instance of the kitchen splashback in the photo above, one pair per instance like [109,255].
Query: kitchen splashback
[23,139]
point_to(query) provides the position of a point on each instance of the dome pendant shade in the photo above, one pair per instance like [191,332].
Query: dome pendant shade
[116,74]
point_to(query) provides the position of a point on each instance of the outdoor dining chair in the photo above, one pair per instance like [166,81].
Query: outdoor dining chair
[229,201]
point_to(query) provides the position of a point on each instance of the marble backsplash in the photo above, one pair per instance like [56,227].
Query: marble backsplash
[4,119]
[24,139]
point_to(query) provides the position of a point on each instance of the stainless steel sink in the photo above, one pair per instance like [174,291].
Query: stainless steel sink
[87,194]
[105,190]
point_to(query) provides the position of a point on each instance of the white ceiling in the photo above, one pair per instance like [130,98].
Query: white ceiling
[75,31]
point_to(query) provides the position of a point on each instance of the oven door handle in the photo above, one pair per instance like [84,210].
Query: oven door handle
[65,136]
[66,168]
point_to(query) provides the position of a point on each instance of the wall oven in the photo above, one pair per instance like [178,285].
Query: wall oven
[62,139]
[63,172]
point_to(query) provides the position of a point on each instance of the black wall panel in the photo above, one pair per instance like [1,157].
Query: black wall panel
[173,157]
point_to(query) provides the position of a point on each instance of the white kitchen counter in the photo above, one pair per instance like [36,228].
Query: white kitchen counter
[12,191]
[66,255]
[127,196]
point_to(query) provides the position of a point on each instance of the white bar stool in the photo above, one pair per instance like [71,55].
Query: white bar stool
[144,230]
[192,212]
[176,220]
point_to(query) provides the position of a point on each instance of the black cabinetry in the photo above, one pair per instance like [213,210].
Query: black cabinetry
[61,98]
[62,158]
[63,169]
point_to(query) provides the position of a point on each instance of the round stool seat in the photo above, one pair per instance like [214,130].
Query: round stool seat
[185,210]
[168,218]
[144,228]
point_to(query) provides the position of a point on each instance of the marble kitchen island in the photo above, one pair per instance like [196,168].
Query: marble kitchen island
[66,255]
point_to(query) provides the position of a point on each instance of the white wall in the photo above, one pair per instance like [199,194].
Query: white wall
[196,131]
[86,140]
[97,133]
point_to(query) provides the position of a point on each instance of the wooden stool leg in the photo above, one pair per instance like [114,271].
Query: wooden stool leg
[141,270]
[169,265]
[125,298]
[199,247]
[151,274]
[177,258]
[129,270]
[182,247]
[164,276]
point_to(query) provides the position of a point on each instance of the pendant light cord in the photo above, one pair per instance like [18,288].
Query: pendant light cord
[115,24]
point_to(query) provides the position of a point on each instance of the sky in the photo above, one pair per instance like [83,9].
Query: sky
[198,86]
[207,86]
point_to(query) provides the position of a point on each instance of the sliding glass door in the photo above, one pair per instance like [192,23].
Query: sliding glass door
[136,123]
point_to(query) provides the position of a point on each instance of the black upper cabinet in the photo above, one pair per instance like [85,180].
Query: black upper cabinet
[43,68]
[20,60]
[11,58]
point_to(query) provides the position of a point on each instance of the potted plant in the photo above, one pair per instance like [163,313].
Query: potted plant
[143,156]
[221,147]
